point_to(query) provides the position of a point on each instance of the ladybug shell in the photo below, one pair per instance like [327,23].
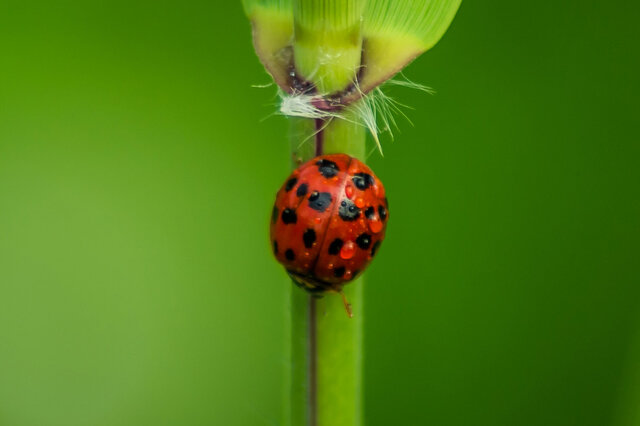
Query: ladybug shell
[328,221]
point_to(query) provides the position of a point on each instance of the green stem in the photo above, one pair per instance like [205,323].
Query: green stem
[326,344]
[326,351]
[328,41]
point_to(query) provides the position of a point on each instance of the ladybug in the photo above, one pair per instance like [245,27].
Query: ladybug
[328,222]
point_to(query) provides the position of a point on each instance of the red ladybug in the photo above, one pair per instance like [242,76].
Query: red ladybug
[328,221]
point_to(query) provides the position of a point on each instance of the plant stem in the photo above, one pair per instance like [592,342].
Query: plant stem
[328,41]
[326,345]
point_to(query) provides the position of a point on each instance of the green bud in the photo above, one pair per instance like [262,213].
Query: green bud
[336,44]
[328,42]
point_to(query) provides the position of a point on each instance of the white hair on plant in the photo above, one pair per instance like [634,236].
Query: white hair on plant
[262,86]
[376,110]
[301,105]
[404,81]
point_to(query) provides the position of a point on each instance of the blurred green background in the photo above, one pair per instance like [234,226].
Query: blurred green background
[137,285]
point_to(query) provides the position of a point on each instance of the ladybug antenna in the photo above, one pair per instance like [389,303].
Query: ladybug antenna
[347,305]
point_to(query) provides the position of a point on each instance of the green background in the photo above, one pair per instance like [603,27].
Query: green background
[137,285]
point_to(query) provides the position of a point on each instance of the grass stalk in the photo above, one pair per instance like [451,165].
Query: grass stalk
[326,345]
[326,56]
[328,41]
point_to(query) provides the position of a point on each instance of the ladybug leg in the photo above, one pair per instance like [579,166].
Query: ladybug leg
[347,305]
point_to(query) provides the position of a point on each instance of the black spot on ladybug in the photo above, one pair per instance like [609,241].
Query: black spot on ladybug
[274,214]
[275,247]
[309,237]
[302,190]
[327,168]
[339,272]
[348,210]
[375,248]
[382,212]
[289,254]
[335,246]
[290,184]
[289,216]
[364,241]
[363,180]
[370,212]
[319,200]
